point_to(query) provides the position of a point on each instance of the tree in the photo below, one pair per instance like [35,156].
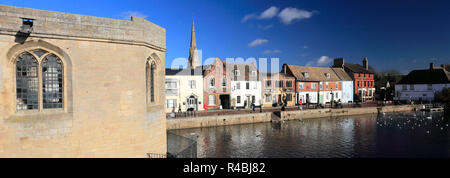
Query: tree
[443,97]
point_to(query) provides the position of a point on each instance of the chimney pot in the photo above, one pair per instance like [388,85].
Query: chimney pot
[431,66]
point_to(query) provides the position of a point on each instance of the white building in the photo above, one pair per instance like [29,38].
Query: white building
[245,85]
[421,85]
[184,90]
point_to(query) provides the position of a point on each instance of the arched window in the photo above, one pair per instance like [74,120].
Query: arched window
[27,91]
[150,70]
[28,80]
[52,82]
[152,80]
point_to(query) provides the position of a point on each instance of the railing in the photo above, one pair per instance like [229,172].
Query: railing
[181,147]
[156,155]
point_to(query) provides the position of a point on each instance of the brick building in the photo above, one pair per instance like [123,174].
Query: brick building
[80,86]
[217,84]
[363,78]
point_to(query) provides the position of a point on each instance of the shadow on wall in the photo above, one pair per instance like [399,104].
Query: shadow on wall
[21,37]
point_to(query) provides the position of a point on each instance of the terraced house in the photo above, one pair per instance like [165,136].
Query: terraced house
[278,89]
[80,86]
[217,84]
[245,85]
[363,78]
[315,85]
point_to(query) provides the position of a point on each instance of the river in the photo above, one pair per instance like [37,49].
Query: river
[408,134]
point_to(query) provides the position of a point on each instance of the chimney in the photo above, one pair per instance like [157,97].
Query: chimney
[366,63]
[431,66]
[339,62]
[285,68]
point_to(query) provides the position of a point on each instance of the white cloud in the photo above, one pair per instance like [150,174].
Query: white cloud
[289,14]
[127,15]
[275,51]
[258,42]
[267,14]
[248,17]
[305,47]
[322,61]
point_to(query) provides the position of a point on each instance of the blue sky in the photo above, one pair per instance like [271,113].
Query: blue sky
[404,35]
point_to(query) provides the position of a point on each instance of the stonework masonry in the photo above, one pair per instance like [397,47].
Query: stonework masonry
[213,121]
[105,111]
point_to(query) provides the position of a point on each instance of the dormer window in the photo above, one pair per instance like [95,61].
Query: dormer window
[306,74]
[254,73]
[328,75]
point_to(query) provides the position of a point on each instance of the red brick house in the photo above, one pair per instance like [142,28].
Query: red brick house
[217,84]
[363,78]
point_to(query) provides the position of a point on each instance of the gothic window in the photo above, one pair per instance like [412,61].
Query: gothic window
[52,86]
[27,82]
[150,69]
[35,69]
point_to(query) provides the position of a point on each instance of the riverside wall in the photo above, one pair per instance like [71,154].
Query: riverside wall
[233,119]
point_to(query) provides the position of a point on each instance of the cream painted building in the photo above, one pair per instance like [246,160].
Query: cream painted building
[80,86]
[184,90]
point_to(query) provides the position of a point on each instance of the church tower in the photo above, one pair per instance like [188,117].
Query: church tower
[193,56]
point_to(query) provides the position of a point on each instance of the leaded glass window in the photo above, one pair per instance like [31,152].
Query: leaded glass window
[52,82]
[27,82]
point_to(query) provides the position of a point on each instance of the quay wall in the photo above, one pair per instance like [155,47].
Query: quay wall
[221,120]
[319,113]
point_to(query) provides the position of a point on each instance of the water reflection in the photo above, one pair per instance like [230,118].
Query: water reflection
[390,135]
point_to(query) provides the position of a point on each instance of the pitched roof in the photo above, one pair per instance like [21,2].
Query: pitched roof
[314,73]
[356,68]
[340,72]
[230,67]
[186,71]
[427,76]
[270,75]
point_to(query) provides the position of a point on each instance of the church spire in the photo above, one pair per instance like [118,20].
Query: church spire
[193,57]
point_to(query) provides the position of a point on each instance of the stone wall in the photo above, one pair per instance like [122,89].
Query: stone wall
[105,112]
[64,25]
[317,113]
[221,120]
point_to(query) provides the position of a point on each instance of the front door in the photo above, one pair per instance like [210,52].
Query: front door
[320,99]
[192,102]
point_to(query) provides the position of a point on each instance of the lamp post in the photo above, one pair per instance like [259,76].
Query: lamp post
[332,98]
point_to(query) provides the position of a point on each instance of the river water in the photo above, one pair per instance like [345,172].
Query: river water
[409,134]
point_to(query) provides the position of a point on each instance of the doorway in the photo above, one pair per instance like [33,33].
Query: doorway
[225,101]
[192,103]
